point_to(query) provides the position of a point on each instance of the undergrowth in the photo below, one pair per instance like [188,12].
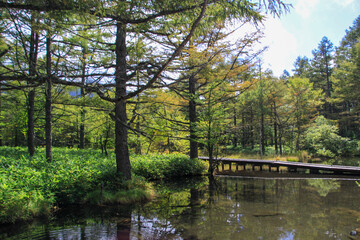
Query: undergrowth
[31,187]
[166,166]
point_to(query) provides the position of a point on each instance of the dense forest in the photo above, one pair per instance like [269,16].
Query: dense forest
[143,78]
[98,98]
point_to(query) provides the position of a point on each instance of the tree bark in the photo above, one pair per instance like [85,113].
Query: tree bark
[193,118]
[1,136]
[275,131]
[137,124]
[244,130]
[138,141]
[280,141]
[31,125]
[235,139]
[31,96]
[82,111]
[252,140]
[261,135]
[121,130]
[298,134]
[48,117]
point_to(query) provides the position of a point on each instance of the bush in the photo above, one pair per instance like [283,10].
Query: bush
[322,140]
[166,166]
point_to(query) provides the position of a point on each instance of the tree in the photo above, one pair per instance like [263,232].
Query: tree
[346,82]
[303,100]
[321,70]
[302,66]
[169,23]
[48,103]
[279,111]
[212,116]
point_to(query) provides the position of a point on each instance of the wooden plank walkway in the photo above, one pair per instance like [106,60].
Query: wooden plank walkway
[291,166]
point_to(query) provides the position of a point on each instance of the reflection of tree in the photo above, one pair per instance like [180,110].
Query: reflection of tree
[225,208]
[324,186]
[254,208]
[123,228]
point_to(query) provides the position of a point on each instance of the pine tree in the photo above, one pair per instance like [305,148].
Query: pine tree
[321,70]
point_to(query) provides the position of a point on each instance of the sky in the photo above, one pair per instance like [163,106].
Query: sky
[300,31]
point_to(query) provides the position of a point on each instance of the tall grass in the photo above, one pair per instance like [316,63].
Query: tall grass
[32,187]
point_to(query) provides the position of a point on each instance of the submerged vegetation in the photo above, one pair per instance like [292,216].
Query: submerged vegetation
[33,187]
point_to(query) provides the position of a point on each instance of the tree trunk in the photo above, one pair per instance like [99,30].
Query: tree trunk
[261,135]
[235,139]
[211,159]
[297,146]
[31,96]
[121,130]
[48,116]
[107,136]
[138,142]
[137,125]
[252,141]
[1,136]
[327,105]
[82,111]
[193,118]
[244,130]
[31,125]
[16,138]
[280,140]
[275,131]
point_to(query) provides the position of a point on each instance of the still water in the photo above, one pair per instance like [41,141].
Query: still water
[225,208]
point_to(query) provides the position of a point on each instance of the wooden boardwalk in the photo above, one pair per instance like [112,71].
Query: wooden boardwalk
[273,165]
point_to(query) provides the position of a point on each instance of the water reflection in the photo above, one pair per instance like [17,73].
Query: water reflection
[219,208]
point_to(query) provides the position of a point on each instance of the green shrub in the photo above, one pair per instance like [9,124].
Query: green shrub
[135,193]
[166,166]
[322,140]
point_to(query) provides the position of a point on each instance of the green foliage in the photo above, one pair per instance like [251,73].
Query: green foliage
[303,100]
[166,166]
[31,186]
[322,140]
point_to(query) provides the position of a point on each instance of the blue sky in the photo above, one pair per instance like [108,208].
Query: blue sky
[300,31]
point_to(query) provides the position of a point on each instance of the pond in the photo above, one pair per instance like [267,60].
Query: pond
[223,208]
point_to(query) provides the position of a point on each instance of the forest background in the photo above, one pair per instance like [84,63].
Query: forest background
[215,94]
[139,78]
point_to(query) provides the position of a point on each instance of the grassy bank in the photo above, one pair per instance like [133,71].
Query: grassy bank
[33,187]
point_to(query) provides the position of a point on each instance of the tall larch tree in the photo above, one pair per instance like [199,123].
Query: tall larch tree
[321,70]
[346,80]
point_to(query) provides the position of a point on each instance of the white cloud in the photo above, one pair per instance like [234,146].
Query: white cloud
[282,47]
[344,3]
[305,7]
